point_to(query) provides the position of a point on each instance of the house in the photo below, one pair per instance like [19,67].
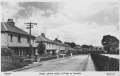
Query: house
[77,49]
[49,44]
[16,39]
[97,48]
[52,47]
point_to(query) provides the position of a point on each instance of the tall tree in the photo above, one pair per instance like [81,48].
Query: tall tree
[109,42]
[41,48]
[85,46]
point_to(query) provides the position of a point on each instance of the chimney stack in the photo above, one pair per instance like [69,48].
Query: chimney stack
[42,34]
[11,22]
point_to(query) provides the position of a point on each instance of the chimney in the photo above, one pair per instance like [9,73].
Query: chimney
[56,39]
[42,34]
[10,22]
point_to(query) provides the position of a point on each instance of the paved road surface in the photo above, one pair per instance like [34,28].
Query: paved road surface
[75,63]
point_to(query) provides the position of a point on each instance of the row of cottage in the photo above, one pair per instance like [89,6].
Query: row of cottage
[18,41]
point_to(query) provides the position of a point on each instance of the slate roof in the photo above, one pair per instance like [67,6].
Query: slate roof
[57,42]
[78,48]
[66,45]
[44,39]
[5,27]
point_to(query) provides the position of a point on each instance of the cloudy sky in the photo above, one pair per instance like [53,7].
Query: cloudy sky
[79,21]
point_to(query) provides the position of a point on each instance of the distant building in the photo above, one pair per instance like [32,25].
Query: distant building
[77,49]
[98,48]
[16,39]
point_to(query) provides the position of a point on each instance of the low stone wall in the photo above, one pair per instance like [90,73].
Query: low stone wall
[105,63]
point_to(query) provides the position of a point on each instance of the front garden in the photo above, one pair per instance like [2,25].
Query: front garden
[9,61]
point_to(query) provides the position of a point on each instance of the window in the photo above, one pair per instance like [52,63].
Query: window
[28,39]
[33,40]
[48,44]
[11,36]
[19,38]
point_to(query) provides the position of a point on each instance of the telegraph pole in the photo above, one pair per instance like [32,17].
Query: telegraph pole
[30,25]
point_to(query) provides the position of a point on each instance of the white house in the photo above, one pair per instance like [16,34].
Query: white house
[52,46]
[16,39]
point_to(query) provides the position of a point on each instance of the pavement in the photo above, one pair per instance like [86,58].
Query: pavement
[90,65]
[71,63]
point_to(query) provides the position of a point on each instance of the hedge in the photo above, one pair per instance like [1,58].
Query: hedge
[105,63]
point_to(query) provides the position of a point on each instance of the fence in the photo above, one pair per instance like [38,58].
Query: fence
[105,63]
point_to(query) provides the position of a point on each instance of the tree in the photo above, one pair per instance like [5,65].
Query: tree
[109,42]
[41,48]
[85,46]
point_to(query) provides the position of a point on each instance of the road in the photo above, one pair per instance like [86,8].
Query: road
[75,63]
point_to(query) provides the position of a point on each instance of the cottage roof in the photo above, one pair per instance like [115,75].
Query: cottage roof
[5,27]
[66,45]
[56,42]
[41,38]
[44,39]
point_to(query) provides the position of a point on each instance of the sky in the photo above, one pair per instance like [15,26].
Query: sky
[79,21]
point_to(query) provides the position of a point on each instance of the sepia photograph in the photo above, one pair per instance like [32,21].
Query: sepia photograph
[60,36]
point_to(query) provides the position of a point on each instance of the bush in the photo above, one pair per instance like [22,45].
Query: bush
[11,63]
[6,51]
[47,57]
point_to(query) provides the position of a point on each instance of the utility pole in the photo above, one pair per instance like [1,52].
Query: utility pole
[30,25]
